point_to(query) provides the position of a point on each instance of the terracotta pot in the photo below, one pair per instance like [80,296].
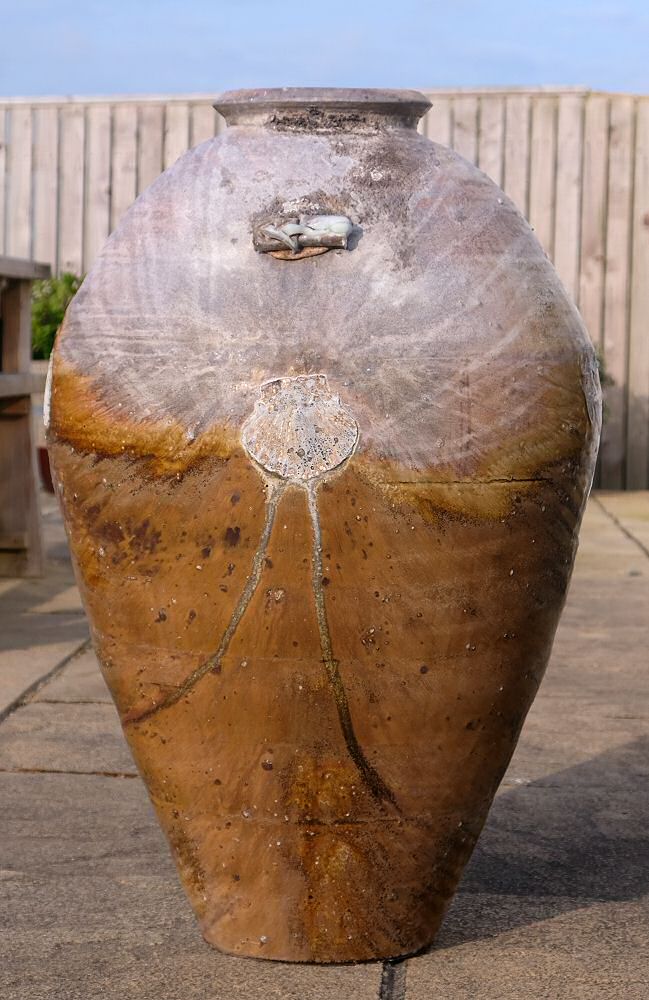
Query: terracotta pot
[322,482]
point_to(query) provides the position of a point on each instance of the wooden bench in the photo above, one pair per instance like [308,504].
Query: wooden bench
[21,547]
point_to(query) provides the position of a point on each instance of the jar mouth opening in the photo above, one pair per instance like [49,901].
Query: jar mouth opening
[305,107]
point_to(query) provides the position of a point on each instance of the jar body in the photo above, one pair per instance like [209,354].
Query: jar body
[322,671]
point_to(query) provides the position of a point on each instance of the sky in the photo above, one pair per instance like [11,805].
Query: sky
[65,47]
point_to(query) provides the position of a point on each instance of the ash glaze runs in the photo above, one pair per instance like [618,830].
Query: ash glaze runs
[322,661]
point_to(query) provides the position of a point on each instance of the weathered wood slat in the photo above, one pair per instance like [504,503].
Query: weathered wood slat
[593,216]
[16,327]
[637,469]
[437,123]
[616,313]
[568,192]
[465,127]
[202,123]
[97,219]
[3,175]
[491,138]
[593,225]
[220,124]
[543,170]
[20,384]
[20,267]
[20,530]
[150,141]
[19,223]
[46,183]
[176,134]
[16,542]
[124,161]
[71,188]
[517,144]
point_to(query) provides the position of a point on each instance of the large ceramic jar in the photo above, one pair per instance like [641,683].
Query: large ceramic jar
[323,422]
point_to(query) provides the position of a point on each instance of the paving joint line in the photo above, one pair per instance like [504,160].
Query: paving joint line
[393,979]
[49,770]
[27,695]
[71,701]
[616,521]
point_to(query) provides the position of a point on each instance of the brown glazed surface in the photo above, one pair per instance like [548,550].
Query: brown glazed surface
[322,679]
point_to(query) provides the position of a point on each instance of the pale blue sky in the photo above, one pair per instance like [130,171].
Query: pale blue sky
[165,46]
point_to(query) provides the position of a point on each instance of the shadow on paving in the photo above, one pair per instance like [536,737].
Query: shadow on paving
[571,839]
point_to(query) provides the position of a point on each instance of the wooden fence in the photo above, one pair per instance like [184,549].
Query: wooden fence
[575,162]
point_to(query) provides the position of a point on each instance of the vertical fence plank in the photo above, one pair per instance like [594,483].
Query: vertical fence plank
[465,127]
[71,183]
[19,162]
[637,472]
[437,121]
[150,141]
[202,123]
[123,185]
[98,191]
[46,184]
[3,176]
[176,132]
[517,148]
[220,124]
[543,146]
[568,191]
[616,290]
[492,137]
[593,216]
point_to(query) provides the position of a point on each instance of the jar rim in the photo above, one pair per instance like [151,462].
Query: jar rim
[239,106]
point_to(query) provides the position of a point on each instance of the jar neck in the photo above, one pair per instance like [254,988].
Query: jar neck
[314,110]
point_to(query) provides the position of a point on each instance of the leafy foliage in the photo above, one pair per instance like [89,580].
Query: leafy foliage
[50,299]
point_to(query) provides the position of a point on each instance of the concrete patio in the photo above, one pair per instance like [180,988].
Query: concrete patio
[555,903]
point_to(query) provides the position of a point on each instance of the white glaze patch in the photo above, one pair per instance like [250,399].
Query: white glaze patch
[299,429]
[47,399]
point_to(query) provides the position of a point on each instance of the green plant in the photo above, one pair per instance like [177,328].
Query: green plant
[50,299]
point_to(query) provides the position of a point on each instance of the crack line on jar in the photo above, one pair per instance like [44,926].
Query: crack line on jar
[369,774]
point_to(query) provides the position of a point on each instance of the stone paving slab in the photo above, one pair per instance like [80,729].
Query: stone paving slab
[570,955]
[631,511]
[138,941]
[92,908]
[570,739]
[66,601]
[554,904]
[25,666]
[42,620]
[605,548]
[80,682]
[157,967]
[533,845]
[64,737]
[56,825]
